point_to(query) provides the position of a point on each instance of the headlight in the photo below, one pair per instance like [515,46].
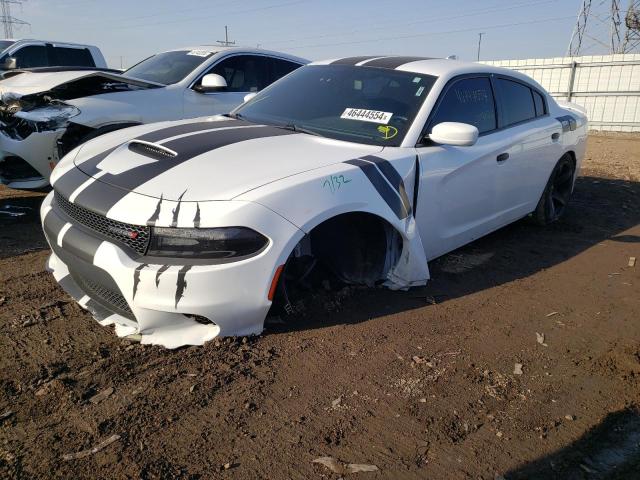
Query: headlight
[50,117]
[212,243]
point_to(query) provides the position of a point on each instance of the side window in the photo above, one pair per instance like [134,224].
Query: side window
[280,68]
[539,103]
[469,100]
[244,73]
[73,57]
[517,102]
[32,56]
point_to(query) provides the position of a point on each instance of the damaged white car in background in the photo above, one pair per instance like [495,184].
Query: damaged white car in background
[360,168]
[45,115]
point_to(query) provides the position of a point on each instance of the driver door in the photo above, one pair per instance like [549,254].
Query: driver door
[457,201]
[244,74]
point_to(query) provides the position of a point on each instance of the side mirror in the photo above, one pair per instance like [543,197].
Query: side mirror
[454,133]
[249,96]
[10,63]
[212,82]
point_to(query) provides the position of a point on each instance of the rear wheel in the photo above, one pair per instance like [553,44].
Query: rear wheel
[557,193]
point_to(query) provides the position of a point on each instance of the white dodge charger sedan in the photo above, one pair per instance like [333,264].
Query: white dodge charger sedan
[365,167]
[44,115]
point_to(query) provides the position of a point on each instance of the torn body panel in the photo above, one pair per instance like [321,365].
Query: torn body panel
[381,185]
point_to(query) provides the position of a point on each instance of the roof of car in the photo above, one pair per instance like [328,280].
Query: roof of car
[27,40]
[220,48]
[439,67]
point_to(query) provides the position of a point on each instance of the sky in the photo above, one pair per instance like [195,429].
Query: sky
[130,30]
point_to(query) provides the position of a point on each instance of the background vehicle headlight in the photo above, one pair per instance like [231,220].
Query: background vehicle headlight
[50,117]
[213,243]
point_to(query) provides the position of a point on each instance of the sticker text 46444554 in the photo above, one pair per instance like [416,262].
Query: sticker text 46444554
[363,115]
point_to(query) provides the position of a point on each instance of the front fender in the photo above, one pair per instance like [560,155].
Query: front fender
[359,185]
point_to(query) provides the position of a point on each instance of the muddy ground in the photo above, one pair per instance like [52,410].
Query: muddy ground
[420,384]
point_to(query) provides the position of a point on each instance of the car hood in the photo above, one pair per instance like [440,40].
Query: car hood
[29,83]
[204,159]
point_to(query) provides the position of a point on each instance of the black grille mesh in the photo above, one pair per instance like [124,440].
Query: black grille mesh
[135,237]
[113,301]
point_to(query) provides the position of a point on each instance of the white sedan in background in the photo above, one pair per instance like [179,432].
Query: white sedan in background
[363,168]
[45,115]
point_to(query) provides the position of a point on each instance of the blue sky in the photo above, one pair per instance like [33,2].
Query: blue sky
[129,30]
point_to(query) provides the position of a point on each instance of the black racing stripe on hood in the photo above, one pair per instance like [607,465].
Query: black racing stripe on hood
[352,60]
[71,180]
[393,177]
[185,128]
[75,177]
[392,62]
[100,197]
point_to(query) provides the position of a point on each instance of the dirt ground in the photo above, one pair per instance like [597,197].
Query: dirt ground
[420,384]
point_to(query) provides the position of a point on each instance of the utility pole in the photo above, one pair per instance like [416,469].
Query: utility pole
[226,41]
[8,21]
[479,44]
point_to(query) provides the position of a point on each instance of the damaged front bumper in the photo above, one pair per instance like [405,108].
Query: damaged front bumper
[168,305]
[29,143]
[27,163]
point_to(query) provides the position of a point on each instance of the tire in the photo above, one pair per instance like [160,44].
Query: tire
[553,203]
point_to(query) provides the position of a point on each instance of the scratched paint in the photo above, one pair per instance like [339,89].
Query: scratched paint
[160,271]
[136,278]
[176,211]
[196,219]
[156,214]
[181,283]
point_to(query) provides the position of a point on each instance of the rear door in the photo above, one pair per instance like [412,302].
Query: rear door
[457,200]
[535,147]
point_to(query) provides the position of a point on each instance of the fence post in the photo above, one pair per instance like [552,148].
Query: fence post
[572,77]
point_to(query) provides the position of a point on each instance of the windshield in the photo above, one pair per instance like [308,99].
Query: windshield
[6,44]
[359,104]
[169,67]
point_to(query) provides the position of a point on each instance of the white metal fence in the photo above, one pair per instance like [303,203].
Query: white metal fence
[608,86]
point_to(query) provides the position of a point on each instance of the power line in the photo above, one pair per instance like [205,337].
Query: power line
[217,15]
[416,22]
[8,21]
[443,32]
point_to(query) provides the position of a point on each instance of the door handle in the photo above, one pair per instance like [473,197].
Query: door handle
[555,136]
[502,157]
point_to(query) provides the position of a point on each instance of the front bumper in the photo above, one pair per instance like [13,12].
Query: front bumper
[165,304]
[39,150]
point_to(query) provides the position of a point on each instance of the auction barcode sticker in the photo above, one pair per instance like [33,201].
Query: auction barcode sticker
[200,53]
[366,115]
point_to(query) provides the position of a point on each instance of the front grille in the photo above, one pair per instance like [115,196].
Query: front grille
[113,301]
[135,237]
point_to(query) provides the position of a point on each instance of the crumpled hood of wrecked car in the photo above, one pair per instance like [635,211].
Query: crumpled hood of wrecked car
[208,158]
[37,82]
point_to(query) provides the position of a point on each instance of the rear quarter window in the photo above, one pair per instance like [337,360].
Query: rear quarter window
[539,103]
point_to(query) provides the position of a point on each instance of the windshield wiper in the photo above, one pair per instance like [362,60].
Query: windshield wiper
[300,129]
[236,116]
